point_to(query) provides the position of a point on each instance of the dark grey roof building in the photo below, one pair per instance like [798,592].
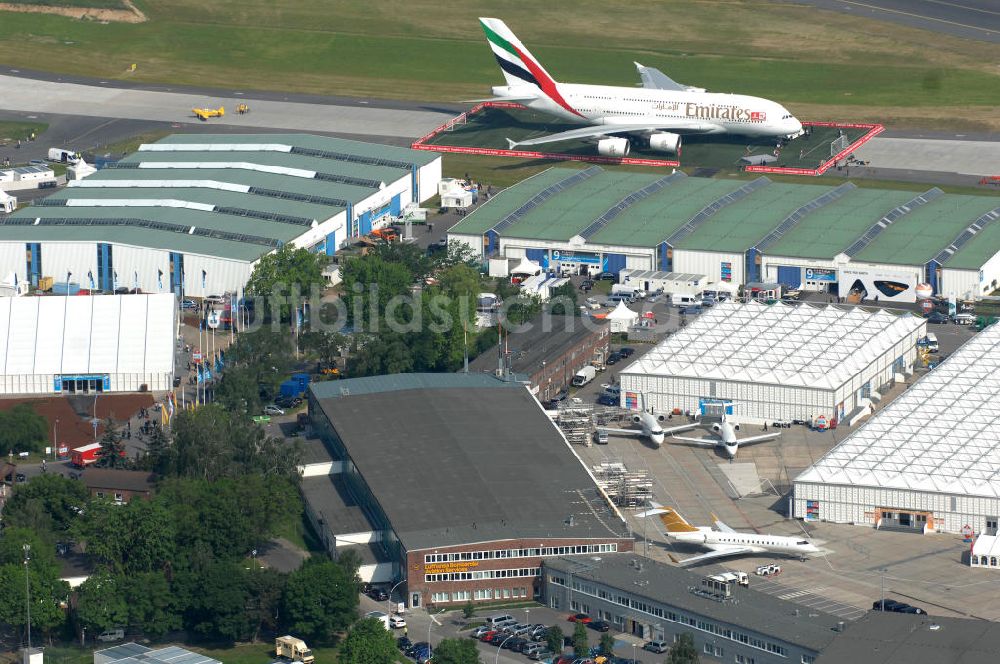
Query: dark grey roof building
[897,638]
[466,482]
[656,601]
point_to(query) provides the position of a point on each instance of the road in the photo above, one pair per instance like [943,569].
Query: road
[970,19]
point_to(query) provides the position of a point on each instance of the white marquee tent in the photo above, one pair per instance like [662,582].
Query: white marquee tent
[777,362]
[932,456]
[621,317]
[98,343]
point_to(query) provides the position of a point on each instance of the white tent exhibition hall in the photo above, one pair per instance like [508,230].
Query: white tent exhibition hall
[929,461]
[778,362]
[87,344]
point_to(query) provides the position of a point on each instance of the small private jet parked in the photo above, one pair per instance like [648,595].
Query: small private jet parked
[726,438]
[723,541]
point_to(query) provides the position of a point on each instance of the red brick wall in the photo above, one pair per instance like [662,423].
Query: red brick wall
[558,371]
[416,569]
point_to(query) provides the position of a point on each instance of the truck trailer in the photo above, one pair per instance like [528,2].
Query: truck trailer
[82,457]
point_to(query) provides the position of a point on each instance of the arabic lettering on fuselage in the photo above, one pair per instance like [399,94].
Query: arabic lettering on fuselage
[712,111]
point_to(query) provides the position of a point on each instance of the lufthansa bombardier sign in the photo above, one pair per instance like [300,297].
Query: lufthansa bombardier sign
[450,568]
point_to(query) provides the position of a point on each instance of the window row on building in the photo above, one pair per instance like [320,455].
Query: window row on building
[483,593]
[672,616]
[582,549]
[484,574]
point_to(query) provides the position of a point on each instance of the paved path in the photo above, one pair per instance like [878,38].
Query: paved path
[95,100]
[966,157]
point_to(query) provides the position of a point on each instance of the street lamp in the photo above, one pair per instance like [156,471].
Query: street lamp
[55,438]
[27,592]
[500,647]
[526,621]
[388,602]
[430,623]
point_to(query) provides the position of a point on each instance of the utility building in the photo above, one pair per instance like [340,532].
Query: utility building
[767,363]
[928,461]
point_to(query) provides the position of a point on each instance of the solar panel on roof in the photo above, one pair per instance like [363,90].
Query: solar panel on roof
[304,198]
[967,234]
[347,179]
[269,216]
[544,195]
[706,212]
[353,158]
[629,200]
[876,229]
[795,217]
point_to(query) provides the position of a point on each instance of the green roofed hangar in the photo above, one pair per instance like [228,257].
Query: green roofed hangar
[193,213]
[836,239]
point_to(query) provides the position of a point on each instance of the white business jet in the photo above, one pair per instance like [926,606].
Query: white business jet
[723,541]
[726,438]
[649,427]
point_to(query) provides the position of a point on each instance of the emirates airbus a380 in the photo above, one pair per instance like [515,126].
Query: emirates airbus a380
[660,112]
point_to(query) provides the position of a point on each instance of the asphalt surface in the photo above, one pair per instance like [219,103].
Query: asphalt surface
[970,19]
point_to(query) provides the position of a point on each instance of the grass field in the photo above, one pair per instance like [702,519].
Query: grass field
[11,132]
[822,65]
[97,4]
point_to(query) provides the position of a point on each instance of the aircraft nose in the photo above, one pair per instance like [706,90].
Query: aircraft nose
[658,438]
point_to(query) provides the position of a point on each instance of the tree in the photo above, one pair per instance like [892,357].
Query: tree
[287,274]
[136,537]
[112,448]
[265,587]
[48,594]
[469,610]
[48,503]
[153,607]
[607,644]
[159,453]
[101,602]
[581,647]
[370,282]
[456,651]
[321,599]
[369,642]
[683,651]
[239,391]
[563,300]
[217,599]
[555,639]
[23,430]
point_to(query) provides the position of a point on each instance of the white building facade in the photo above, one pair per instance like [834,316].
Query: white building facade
[73,345]
[775,363]
[927,462]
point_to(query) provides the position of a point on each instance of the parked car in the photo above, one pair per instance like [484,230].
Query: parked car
[692,310]
[601,437]
[488,635]
[592,303]
[20,478]
[626,351]
[514,644]
[580,618]
[906,608]
[272,409]
[600,625]
[189,304]
[606,399]
[499,638]
[613,358]
[964,319]
[397,622]
[479,631]
[540,655]
[114,634]
[937,318]
[607,276]
[403,643]
[659,647]
[378,594]
[885,605]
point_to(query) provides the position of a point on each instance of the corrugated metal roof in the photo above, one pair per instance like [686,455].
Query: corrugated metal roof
[938,436]
[819,347]
[499,206]
[408,381]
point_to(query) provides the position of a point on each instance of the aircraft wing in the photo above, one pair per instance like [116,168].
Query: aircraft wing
[721,526]
[683,427]
[622,432]
[596,131]
[654,79]
[512,99]
[753,440]
[698,442]
[718,551]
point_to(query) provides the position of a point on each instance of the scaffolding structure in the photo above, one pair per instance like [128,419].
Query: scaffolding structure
[624,487]
[577,422]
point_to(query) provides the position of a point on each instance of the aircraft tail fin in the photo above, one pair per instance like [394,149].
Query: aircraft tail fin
[674,522]
[516,62]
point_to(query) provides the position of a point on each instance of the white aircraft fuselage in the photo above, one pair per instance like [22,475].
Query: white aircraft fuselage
[688,111]
[705,536]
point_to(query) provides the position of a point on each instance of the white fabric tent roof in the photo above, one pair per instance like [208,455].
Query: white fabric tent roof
[780,344]
[621,312]
[87,334]
[941,435]
[526,267]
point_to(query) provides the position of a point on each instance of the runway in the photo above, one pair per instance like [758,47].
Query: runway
[970,19]
[45,96]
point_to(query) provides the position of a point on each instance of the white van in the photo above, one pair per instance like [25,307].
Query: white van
[680,300]
[931,342]
[110,635]
[63,156]
[500,620]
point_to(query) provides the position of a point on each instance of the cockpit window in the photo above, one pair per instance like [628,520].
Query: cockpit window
[803,542]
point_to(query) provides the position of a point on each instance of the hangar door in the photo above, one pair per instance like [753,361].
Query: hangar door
[789,277]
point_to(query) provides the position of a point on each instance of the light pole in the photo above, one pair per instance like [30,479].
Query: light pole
[500,647]
[634,654]
[388,602]
[27,592]
[526,622]
[55,439]
[881,573]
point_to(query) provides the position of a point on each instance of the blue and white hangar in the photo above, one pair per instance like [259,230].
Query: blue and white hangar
[193,213]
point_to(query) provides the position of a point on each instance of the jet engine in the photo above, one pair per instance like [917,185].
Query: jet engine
[613,147]
[661,418]
[636,419]
[665,142]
